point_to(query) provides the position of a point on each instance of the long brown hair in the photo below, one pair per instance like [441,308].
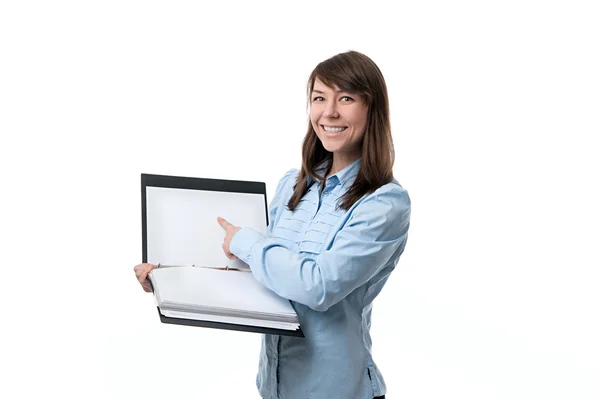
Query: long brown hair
[352,72]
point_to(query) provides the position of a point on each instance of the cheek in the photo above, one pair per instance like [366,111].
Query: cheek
[313,115]
[314,118]
[360,121]
[314,125]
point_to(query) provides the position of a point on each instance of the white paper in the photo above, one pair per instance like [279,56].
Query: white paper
[198,289]
[182,226]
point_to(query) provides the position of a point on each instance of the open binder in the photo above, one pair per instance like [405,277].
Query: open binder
[195,283]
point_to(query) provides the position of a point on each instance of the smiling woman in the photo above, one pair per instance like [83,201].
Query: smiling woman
[338,227]
[349,120]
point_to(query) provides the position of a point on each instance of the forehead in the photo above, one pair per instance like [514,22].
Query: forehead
[320,86]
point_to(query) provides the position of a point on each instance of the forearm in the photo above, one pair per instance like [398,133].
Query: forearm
[316,280]
[281,269]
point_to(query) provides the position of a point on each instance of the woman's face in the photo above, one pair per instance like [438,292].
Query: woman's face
[339,119]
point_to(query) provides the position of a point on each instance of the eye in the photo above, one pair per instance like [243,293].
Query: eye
[318,98]
[346,99]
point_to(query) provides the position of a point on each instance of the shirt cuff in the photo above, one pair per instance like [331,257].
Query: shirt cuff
[243,241]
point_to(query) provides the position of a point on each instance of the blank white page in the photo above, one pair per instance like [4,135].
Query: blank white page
[182,226]
[216,289]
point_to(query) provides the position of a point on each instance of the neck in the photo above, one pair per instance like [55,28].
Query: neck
[342,160]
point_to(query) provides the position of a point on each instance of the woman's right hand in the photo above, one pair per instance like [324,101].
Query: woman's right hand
[141,272]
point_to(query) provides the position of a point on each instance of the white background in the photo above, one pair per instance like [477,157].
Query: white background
[495,115]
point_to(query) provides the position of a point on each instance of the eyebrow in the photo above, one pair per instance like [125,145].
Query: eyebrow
[337,91]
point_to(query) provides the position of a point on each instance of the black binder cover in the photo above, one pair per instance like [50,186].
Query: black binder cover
[193,183]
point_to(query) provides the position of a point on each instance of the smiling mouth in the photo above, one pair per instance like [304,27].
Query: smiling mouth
[334,129]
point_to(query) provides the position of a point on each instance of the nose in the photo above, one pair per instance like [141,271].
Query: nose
[330,110]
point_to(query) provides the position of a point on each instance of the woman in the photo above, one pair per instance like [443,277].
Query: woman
[338,227]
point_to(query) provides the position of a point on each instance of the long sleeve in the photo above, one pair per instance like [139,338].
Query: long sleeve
[372,236]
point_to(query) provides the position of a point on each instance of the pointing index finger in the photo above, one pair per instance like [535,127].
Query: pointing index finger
[224,223]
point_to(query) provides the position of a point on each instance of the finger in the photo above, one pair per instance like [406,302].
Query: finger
[142,274]
[148,270]
[228,253]
[139,273]
[224,223]
[147,287]
[139,268]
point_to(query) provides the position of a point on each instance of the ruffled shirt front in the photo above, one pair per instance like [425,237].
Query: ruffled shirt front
[331,264]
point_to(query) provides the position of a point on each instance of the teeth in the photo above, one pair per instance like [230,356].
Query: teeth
[333,129]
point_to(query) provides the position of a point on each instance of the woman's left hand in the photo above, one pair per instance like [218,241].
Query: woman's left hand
[230,231]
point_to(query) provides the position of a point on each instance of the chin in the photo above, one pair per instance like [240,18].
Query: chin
[330,147]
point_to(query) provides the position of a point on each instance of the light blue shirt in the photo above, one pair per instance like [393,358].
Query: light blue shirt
[331,264]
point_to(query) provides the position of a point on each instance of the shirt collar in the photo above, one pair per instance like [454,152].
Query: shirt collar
[343,176]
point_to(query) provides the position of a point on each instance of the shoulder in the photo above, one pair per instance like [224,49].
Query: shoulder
[285,188]
[290,176]
[389,202]
[392,193]
[287,182]
[383,215]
